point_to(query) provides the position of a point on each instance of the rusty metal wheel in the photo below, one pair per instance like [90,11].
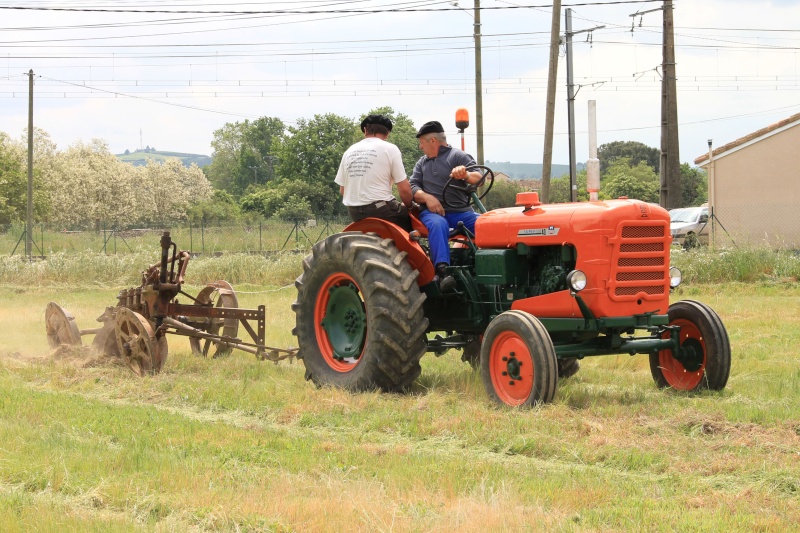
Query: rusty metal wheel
[143,353]
[105,341]
[61,326]
[216,294]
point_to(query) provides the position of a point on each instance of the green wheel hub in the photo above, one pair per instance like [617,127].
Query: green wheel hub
[345,322]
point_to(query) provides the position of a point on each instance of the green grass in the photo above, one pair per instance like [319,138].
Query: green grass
[234,444]
[245,237]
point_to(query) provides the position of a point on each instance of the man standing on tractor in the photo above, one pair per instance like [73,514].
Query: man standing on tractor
[440,163]
[367,172]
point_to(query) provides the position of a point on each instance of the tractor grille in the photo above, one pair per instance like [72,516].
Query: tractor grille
[640,269]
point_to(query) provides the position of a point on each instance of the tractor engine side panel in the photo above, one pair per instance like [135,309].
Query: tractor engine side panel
[622,246]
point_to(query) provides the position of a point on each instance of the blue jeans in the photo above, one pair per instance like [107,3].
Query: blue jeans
[439,231]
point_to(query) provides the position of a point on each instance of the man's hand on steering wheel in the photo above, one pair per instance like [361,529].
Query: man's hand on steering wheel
[461,173]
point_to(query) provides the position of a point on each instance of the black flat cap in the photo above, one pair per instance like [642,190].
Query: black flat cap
[376,119]
[433,126]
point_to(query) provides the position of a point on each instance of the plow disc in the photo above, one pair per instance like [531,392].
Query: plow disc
[216,294]
[61,326]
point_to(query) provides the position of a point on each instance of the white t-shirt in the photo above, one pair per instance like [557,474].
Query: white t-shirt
[368,170]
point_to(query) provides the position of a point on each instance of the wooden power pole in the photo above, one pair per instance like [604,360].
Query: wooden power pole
[550,110]
[670,196]
[29,217]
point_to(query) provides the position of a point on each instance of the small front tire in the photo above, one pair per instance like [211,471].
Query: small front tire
[706,359]
[518,361]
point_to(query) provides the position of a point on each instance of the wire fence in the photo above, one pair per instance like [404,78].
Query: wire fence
[773,225]
[254,237]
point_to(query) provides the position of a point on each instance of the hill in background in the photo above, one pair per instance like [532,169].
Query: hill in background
[527,171]
[139,158]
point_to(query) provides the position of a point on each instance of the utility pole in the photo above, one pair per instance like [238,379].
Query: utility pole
[573,185]
[29,220]
[478,80]
[670,196]
[550,110]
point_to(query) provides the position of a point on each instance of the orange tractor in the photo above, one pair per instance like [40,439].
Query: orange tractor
[539,287]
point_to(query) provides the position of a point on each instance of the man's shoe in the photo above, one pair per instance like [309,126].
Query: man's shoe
[447,284]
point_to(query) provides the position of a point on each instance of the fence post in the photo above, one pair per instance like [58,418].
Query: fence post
[202,237]
[104,238]
[190,236]
[260,247]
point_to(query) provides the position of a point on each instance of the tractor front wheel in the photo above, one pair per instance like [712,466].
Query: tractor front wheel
[359,318]
[704,361]
[518,360]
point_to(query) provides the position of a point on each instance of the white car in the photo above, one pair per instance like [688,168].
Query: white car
[689,226]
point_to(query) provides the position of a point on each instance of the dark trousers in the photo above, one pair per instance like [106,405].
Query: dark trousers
[392,211]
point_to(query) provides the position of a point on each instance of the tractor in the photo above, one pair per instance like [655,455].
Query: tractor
[539,287]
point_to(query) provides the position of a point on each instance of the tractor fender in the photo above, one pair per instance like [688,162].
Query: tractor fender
[417,257]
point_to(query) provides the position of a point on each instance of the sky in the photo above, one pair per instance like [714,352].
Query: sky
[168,74]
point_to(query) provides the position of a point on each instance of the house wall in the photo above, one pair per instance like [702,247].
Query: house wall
[757,192]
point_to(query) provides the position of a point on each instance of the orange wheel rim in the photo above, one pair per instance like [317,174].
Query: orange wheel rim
[340,322]
[511,368]
[674,372]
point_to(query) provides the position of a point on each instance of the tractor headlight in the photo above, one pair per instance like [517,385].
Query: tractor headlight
[576,280]
[675,277]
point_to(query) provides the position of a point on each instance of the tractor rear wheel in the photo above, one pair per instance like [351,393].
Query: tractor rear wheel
[518,360]
[706,358]
[359,318]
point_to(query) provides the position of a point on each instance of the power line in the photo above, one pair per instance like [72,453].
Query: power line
[311,11]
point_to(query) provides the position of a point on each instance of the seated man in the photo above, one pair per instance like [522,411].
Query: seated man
[367,172]
[440,163]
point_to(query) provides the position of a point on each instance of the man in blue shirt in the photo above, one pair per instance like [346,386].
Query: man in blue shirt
[440,163]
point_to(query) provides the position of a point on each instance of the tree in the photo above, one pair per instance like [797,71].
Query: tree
[245,152]
[559,188]
[295,209]
[694,186]
[14,176]
[220,206]
[268,202]
[404,136]
[503,194]
[635,152]
[167,190]
[637,181]
[313,150]
[91,187]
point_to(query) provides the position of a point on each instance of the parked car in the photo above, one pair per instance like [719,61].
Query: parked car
[689,226]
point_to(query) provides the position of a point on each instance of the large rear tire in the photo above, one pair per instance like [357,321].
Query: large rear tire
[707,351]
[518,361]
[359,318]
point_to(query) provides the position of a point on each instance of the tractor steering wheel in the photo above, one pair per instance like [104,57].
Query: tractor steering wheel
[469,188]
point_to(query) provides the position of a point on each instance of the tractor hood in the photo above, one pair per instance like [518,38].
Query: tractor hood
[584,223]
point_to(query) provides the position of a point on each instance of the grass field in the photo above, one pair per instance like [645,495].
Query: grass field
[234,444]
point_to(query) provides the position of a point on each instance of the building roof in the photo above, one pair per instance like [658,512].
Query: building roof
[748,138]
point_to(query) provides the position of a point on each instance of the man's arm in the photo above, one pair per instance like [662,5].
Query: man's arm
[430,201]
[404,188]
